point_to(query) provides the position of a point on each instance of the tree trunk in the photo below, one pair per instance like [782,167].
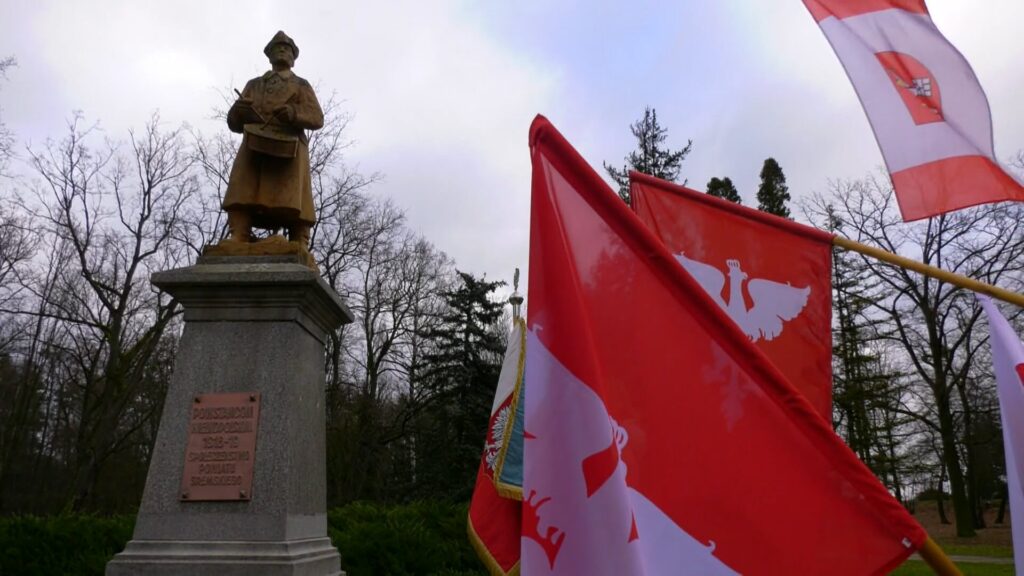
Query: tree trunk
[893,468]
[970,453]
[957,488]
[940,498]
[85,485]
[1001,515]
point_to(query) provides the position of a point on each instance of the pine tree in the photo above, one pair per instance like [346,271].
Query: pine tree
[463,369]
[866,393]
[723,188]
[773,194]
[649,158]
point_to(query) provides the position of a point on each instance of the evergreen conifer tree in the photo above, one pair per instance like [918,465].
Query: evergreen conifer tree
[866,392]
[773,194]
[650,157]
[463,367]
[724,188]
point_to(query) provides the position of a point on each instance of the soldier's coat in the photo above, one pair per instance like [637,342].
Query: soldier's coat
[275,191]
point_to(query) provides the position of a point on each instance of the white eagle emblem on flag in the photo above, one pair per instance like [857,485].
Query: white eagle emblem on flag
[773,302]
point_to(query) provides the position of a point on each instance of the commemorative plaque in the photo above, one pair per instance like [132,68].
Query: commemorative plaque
[221,450]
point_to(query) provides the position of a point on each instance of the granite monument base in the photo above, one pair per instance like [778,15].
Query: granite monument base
[253,325]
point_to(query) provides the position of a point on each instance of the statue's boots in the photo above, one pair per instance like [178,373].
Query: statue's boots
[240,225]
[299,233]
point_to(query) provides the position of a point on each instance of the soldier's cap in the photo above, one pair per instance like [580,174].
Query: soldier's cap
[281,38]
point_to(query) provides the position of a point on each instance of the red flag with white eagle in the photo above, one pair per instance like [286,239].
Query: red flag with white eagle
[925,105]
[772,276]
[1008,361]
[659,439]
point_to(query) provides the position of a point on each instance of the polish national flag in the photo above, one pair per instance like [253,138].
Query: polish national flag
[925,105]
[659,439]
[1008,360]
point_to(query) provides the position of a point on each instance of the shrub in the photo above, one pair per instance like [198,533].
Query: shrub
[69,545]
[421,539]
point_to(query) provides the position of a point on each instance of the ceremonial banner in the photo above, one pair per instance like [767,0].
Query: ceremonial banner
[495,510]
[1008,361]
[925,105]
[772,276]
[659,439]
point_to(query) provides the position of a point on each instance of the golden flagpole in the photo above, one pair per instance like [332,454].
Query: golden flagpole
[932,271]
[937,560]
[931,553]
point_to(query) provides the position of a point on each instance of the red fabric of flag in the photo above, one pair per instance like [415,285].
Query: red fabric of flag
[771,275]
[659,439]
[925,105]
[495,512]
[821,9]
[494,526]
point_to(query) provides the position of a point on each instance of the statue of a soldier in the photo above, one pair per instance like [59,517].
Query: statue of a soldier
[270,181]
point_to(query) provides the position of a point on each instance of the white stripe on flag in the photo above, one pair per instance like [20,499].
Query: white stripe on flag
[967,129]
[1007,355]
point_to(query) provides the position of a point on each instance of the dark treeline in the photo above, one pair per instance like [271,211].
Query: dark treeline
[87,345]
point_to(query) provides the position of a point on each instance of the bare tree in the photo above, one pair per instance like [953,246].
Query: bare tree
[931,322]
[116,213]
[391,279]
[92,343]
[207,223]
[19,391]
[16,248]
[6,138]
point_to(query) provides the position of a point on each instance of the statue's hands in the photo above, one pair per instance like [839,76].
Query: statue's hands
[286,113]
[243,106]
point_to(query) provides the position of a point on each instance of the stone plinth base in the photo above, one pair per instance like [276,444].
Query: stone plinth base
[312,557]
[254,325]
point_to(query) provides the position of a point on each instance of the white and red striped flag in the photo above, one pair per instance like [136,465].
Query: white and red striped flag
[1008,361]
[925,105]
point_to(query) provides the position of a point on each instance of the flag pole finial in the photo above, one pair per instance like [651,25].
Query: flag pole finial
[515,299]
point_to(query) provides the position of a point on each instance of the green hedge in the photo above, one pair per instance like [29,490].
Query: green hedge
[426,538]
[73,545]
[421,538]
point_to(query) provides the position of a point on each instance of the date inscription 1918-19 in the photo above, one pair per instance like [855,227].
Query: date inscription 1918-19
[220,455]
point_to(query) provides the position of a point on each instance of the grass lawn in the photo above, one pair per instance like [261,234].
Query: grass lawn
[977,550]
[919,568]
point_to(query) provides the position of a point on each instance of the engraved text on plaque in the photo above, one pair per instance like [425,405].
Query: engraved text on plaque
[221,448]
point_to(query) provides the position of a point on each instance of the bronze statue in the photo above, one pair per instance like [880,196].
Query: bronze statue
[270,184]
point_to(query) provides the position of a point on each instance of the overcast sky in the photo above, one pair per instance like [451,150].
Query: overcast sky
[443,92]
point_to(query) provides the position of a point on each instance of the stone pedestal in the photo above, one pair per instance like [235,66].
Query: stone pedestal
[253,325]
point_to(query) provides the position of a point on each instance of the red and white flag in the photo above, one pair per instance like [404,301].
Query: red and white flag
[496,509]
[925,105]
[1008,361]
[771,275]
[659,440]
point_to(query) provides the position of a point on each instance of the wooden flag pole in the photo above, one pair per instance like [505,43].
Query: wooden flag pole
[932,271]
[937,560]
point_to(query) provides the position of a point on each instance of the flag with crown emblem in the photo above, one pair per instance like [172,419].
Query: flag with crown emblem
[925,105]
